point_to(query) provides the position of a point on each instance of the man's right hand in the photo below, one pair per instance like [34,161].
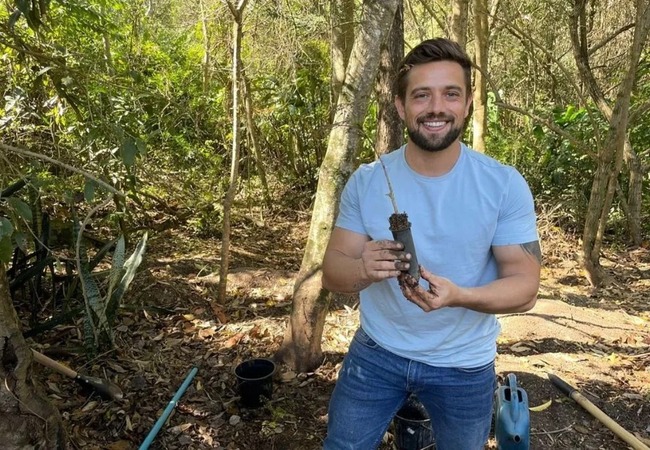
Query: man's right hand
[384,259]
[352,261]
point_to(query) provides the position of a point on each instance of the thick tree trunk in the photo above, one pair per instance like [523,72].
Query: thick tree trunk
[459,19]
[390,130]
[301,348]
[27,419]
[481,45]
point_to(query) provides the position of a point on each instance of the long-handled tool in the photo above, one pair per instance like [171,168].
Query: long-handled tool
[580,399]
[105,388]
[168,410]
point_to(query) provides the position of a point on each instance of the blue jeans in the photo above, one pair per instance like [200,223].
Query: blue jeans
[374,383]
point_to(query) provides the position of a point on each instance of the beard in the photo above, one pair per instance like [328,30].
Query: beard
[434,143]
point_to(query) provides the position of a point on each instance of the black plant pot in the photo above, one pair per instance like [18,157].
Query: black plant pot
[401,229]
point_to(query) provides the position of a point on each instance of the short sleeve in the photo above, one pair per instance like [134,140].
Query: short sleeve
[349,216]
[517,222]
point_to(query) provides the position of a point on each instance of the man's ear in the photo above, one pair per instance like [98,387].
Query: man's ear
[468,107]
[399,105]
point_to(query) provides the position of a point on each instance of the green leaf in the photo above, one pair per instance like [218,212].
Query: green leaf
[89,190]
[6,228]
[129,151]
[131,266]
[21,241]
[6,249]
[20,207]
[116,269]
[142,147]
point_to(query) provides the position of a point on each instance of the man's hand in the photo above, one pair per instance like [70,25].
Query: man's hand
[384,259]
[440,294]
[353,262]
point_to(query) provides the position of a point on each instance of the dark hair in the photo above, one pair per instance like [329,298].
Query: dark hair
[431,50]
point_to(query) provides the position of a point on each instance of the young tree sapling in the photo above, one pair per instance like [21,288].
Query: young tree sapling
[400,227]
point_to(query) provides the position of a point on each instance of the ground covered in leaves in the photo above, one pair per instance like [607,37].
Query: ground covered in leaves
[597,341]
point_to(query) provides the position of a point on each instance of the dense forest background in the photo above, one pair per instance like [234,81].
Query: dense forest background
[122,119]
[139,94]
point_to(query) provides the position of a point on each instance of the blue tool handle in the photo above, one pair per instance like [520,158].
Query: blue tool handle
[168,410]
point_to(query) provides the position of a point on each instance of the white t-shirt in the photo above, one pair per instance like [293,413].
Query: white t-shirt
[456,219]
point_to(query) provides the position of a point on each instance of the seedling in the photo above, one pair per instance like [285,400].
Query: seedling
[400,226]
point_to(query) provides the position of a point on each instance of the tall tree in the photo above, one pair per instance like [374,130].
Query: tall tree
[611,153]
[481,45]
[238,18]
[390,131]
[301,347]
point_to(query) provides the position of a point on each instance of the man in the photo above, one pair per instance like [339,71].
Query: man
[473,224]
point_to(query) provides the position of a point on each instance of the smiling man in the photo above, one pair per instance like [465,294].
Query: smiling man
[474,227]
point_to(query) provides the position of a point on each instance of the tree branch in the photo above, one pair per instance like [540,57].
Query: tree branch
[605,41]
[56,162]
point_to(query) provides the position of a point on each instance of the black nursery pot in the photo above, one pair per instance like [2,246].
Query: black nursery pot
[255,381]
[401,229]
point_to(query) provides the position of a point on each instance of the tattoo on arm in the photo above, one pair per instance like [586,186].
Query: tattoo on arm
[533,249]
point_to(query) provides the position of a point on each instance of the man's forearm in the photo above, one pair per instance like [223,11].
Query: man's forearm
[342,273]
[515,293]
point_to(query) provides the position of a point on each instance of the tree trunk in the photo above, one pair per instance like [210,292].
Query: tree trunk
[634,193]
[459,18]
[234,164]
[301,348]
[481,45]
[390,130]
[341,46]
[610,155]
[27,419]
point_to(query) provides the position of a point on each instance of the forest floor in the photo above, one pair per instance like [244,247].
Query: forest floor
[597,341]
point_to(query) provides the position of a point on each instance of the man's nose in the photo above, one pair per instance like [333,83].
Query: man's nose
[435,103]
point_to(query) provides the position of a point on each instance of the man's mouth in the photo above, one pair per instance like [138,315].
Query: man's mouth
[434,124]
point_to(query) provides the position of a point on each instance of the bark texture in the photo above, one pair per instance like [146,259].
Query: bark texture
[459,18]
[301,347]
[390,130]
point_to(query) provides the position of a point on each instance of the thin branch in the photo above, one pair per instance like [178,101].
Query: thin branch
[432,13]
[639,111]
[56,162]
[609,38]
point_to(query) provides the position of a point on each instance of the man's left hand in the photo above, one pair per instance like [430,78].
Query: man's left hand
[440,294]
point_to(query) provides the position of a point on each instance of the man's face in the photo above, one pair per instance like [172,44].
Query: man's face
[435,105]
